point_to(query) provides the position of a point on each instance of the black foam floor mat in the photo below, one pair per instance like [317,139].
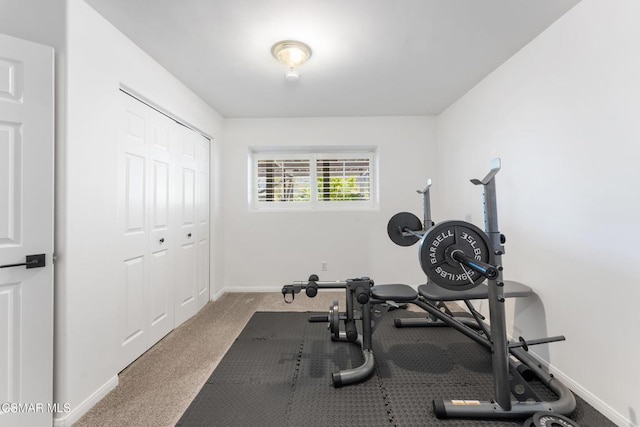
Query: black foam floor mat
[278,373]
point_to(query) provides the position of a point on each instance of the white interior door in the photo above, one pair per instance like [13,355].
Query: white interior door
[26,228]
[145,191]
[186,298]
[134,231]
[161,248]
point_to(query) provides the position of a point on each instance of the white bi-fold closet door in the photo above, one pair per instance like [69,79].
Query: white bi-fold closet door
[163,215]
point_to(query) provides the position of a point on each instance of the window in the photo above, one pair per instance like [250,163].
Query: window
[313,180]
[283,180]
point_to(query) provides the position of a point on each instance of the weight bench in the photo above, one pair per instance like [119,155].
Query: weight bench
[435,293]
[375,301]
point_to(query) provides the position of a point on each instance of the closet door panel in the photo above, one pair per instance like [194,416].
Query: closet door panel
[133,231]
[203,285]
[134,281]
[160,317]
[186,303]
[161,253]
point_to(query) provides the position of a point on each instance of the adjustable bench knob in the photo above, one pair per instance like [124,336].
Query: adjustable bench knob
[362,295]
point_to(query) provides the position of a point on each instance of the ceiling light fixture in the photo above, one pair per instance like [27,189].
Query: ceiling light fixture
[292,54]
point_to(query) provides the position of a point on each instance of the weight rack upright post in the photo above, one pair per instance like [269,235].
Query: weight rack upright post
[500,357]
[426,207]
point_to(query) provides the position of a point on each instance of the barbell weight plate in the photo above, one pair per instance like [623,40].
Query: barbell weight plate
[528,422]
[436,246]
[334,320]
[550,419]
[399,222]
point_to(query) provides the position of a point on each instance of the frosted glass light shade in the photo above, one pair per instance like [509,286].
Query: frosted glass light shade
[291,53]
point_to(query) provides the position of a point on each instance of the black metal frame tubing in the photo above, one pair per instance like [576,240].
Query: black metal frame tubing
[565,404]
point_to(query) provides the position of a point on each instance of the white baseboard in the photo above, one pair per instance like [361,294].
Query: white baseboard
[68,419]
[251,289]
[247,289]
[217,295]
[242,289]
[585,394]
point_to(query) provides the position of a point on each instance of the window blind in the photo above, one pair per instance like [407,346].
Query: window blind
[342,180]
[313,180]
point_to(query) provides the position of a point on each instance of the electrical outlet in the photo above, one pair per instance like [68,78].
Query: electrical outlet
[324,266]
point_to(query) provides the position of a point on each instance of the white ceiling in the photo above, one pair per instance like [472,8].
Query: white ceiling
[370,57]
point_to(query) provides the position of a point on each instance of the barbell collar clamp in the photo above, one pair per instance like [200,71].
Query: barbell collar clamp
[487,270]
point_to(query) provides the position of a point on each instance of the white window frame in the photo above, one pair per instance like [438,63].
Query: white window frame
[313,154]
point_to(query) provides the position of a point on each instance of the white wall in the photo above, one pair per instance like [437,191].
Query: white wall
[563,116]
[35,20]
[99,60]
[265,250]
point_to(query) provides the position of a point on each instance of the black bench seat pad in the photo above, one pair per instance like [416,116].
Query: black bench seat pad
[396,292]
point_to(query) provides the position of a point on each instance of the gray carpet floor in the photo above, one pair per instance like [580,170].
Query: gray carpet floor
[158,387]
